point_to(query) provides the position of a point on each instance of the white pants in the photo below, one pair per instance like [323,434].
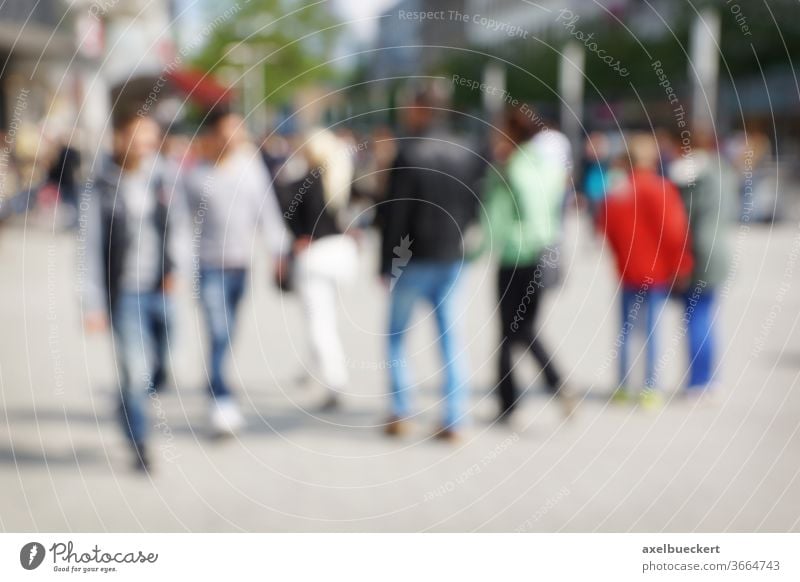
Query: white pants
[319,270]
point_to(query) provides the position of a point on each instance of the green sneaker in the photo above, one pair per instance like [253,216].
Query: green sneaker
[651,399]
[621,395]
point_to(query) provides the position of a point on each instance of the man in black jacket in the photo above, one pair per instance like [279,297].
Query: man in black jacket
[432,199]
[126,265]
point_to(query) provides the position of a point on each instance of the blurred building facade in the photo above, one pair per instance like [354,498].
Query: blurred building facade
[37,92]
[65,68]
[407,44]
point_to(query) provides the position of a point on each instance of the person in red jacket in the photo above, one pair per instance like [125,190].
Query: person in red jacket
[646,226]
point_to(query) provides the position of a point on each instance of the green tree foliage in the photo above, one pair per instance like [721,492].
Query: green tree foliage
[771,37]
[289,41]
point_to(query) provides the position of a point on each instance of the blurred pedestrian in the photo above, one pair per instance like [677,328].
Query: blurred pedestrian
[647,229]
[371,179]
[752,153]
[275,150]
[324,255]
[63,175]
[596,166]
[554,147]
[230,200]
[431,201]
[523,201]
[11,200]
[175,160]
[550,144]
[129,249]
[708,188]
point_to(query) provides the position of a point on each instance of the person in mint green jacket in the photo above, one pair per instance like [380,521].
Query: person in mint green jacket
[522,224]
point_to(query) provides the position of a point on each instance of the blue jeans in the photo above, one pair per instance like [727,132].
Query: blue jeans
[700,310]
[134,318]
[437,283]
[640,305]
[160,327]
[221,291]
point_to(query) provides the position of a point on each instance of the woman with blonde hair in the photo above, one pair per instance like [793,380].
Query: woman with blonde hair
[325,256]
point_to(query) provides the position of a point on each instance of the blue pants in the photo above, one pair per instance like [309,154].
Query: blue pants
[700,310]
[134,318]
[437,283]
[160,327]
[640,306]
[221,291]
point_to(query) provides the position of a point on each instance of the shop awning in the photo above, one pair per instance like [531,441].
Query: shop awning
[199,87]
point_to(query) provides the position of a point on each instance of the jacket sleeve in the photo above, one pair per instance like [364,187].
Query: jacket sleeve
[270,218]
[491,214]
[614,214]
[91,270]
[180,222]
[675,237]
[601,218]
[313,206]
[711,214]
[398,209]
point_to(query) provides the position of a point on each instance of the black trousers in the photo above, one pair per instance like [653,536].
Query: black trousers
[520,291]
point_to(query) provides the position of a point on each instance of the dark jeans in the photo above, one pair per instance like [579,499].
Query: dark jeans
[520,293]
[221,291]
[160,330]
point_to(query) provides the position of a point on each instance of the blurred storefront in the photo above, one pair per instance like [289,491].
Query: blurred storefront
[68,65]
[37,91]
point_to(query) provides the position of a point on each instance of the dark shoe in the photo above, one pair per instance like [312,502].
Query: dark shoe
[302,379]
[141,462]
[448,435]
[505,416]
[158,384]
[395,427]
[331,403]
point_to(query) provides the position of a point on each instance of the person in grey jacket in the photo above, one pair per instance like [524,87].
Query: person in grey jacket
[708,188]
[231,201]
[125,264]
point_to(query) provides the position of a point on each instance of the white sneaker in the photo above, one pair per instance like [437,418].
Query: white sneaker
[226,418]
[702,395]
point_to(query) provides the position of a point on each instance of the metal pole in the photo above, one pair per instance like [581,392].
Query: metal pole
[704,67]
[570,88]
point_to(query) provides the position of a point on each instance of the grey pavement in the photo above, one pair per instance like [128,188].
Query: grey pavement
[729,465]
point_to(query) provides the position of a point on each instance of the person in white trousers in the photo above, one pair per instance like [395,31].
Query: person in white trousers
[325,255]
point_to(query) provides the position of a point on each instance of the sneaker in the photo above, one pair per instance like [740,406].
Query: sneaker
[504,417]
[620,395]
[158,384]
[395,427]
[701,395]
[331,402]
[449,435]
[568,401]
[141,461]
[651,399]
[226,418]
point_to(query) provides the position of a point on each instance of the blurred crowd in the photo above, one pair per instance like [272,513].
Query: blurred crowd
[162,206]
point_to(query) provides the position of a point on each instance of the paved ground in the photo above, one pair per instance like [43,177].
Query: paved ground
[733,466]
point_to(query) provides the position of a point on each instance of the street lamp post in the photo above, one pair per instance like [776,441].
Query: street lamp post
[704,67]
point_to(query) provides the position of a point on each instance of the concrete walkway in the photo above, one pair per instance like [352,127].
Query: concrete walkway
[731,466]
